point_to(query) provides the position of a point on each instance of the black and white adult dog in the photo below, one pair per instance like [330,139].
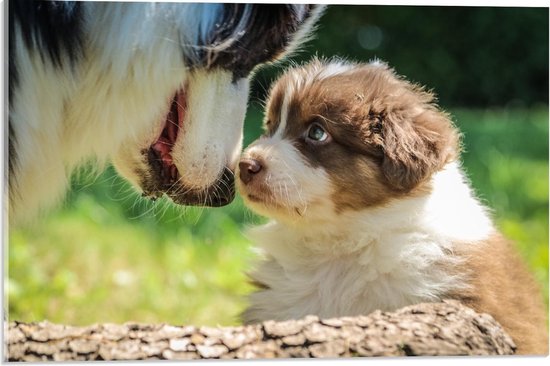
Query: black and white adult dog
[159,88]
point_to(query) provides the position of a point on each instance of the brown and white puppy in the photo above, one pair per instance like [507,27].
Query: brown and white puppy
[359,171]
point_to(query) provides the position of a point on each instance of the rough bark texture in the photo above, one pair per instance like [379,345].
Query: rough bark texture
[446,328]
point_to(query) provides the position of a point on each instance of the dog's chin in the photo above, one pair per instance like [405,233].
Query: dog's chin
[220,193]
[265,203]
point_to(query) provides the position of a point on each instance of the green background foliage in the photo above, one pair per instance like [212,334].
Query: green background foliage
[471,56]
[108,256]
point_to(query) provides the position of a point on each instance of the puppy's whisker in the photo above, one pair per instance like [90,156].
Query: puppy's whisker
[297,187]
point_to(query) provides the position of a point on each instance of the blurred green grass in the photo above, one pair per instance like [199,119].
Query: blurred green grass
[107,256]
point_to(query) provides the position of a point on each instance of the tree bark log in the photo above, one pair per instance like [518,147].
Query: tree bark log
[445,329]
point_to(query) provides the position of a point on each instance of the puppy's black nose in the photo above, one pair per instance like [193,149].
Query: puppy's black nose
[248,168]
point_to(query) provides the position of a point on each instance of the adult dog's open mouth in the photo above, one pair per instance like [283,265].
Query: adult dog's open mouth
[161,150]
[164,175]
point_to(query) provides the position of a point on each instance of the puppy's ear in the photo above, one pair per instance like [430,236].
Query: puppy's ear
[416,147]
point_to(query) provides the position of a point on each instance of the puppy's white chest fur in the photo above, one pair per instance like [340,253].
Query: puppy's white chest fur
[380,258]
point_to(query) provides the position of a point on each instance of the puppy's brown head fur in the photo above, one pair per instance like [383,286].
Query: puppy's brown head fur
[385,135]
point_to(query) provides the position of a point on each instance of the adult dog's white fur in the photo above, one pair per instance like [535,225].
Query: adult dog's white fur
[108,96]
[377,212]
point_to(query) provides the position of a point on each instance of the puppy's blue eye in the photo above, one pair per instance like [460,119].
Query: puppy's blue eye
[316,133]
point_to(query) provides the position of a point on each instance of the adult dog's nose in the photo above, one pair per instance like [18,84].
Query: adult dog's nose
[248,168]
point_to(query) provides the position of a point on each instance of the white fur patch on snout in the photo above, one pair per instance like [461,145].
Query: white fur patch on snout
[287,181]
[211,135]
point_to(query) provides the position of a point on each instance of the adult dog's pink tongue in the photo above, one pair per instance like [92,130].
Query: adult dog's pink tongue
[174,120]
[163,146]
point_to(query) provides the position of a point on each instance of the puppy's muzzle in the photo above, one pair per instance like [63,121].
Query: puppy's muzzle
[248,169]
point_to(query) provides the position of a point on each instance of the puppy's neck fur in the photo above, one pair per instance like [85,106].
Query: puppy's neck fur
[383,257]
